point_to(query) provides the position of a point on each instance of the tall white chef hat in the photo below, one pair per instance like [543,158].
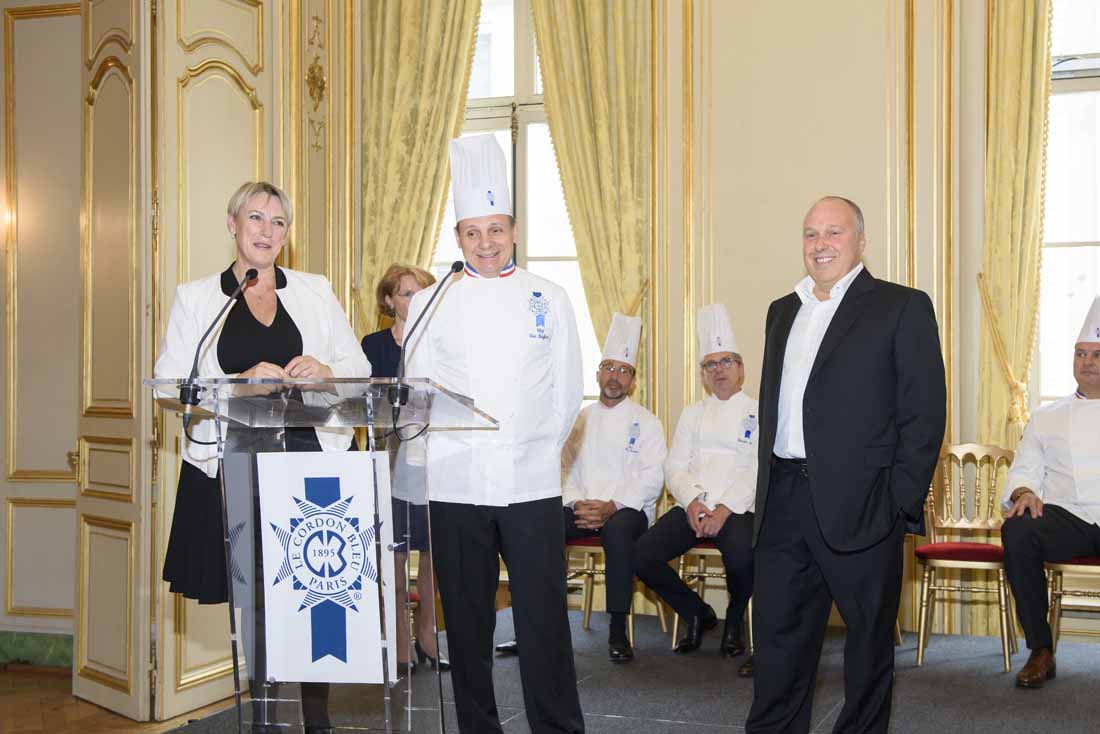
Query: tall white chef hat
[479,177]
[622,339]
[715,332]
[1090,331]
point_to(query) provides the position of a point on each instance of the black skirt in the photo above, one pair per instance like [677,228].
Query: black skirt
[194,564]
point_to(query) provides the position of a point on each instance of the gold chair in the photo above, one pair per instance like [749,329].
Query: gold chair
[1084,566]
[697,580]
[591,551]
[959,506]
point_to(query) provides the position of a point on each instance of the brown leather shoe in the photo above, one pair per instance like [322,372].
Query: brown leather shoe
[1039,669]
[746,670]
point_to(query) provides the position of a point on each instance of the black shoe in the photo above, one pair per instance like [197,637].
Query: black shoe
[421,656]
[320,729]
[508,648]
[732,643]
[696,626]
[746,670]
[619,649]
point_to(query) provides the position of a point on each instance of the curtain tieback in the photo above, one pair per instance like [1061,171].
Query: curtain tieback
[1018,413]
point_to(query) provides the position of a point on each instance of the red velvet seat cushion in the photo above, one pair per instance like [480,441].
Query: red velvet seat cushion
[1085,561]
[414,596]
[593,542]
[980,552]
[706,545]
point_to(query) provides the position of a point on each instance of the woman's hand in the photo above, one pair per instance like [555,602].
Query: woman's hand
[261,371]
[308,368]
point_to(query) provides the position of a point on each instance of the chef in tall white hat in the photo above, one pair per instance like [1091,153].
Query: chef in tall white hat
[1052,498]
[612,473]
[508,339]
[711,472]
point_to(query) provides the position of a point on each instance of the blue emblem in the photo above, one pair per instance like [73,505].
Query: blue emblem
[632,441]
[327,556]
[540,307]
[491,198]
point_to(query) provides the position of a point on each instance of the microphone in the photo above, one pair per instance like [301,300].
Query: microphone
[399,393]
[189,391]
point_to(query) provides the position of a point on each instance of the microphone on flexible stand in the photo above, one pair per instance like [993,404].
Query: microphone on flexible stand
[190,392]
[398,393]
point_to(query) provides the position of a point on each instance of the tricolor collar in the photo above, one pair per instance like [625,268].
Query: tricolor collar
[509,269]
[1080,395]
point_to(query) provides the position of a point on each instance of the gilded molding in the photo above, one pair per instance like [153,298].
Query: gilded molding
[123,37]
[11,248]
[84,669]
[9,596]
[107,444]
[688,213]
[212,37]
[199,675]
[92,405]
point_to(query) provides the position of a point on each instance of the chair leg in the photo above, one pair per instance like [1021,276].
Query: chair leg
[676,617]
[630,620]
[661,615]
[589,583]
[897,633]
[701,568]
[1056,609]
[1002,602]
[1012,639]
[924,621]
[751,645]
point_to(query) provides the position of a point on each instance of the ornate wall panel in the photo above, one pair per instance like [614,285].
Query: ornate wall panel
[107,467]
[109,378]
[236,26]
[201,651]
[41,214]
[105,657]
[108,23]
[38,557]
[219,127]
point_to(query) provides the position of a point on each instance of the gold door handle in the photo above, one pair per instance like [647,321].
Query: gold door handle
[73,458]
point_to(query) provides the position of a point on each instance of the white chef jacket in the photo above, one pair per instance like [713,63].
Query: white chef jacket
[713,454]
[510,344]
[1059,457]
[615,454]
[310,302]
[807,332]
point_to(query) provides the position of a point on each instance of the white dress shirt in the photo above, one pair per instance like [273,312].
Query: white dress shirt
[807,331]
[615,454]
[1059,457]
[510,344]
[311,304]
[713,454]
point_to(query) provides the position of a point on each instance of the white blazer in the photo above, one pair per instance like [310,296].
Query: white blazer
[310,302]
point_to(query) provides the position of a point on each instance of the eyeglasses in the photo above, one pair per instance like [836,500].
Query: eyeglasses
[726,362]
[611,369]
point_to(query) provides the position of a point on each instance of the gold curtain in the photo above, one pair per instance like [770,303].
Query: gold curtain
[416,69]
[1018,88]
[1015,170]
[596,87]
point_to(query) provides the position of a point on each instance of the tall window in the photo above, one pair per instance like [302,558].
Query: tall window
[505,99]
[1071,240]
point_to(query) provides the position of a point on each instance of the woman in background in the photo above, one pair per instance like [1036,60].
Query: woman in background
[410,496]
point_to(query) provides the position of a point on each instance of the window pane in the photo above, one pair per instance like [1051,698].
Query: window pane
[493,73]
[568,275]
[446,248]
[548,230]
[1073,169]
[1076,27]
[1071,280]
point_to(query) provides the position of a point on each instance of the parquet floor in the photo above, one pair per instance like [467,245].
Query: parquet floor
[42,702]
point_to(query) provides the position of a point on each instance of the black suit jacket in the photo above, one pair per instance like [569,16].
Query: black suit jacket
[873,412]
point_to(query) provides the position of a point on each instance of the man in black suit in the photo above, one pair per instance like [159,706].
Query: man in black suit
[852,414]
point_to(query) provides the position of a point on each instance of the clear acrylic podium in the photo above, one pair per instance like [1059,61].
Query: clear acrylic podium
[254,418]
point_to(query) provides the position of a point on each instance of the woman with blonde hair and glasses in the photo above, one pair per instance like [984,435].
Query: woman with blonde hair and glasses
[410,493]
[284,324]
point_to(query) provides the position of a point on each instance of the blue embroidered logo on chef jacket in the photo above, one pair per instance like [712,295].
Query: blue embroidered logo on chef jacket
[327,555]
[540,307]
[635,434]
[748,426]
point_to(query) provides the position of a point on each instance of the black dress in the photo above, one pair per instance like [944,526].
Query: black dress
[410,520]
[194,563]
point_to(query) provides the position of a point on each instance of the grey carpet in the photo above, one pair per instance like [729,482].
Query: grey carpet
[960,689]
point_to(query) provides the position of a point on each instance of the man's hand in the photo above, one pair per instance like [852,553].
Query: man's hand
[593,514]
[713,522]
[697,512]
[1026,501]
